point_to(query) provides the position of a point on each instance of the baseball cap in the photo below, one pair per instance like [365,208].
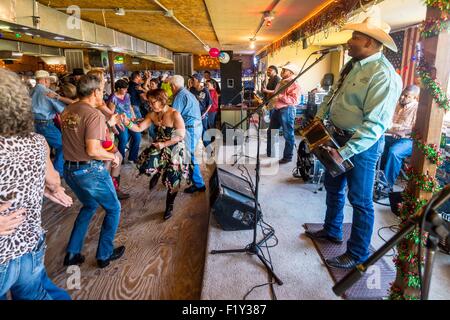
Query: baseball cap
[197,76]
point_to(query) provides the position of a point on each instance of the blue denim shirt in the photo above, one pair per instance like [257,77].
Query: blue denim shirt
[187,104]
[43,107]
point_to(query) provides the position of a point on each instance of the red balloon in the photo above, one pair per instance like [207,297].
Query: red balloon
[214,52]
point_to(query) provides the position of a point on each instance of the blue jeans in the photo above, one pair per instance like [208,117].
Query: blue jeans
[192,139]
[93,186]
[360,182]
[54,139]
[137,112]
[212,120]
[135,143]
[26,278]
[282,118]
[205,124]
[396,151]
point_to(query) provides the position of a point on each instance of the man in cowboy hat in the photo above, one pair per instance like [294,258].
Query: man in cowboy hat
[46,104]
[360,111]
[283,114]
[77,73]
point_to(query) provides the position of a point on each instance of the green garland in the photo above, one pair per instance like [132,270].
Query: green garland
[432,27]
[431,151]
[443,5]
[407,260]
[424,182]
[433,87]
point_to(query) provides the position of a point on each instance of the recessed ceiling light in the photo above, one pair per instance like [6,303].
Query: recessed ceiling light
[58,38]
[29,34]
[119,11]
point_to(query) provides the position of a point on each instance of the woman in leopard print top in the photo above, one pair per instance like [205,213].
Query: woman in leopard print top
[26,175]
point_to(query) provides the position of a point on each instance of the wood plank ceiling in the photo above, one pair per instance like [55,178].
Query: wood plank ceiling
[226,24]
[153,27]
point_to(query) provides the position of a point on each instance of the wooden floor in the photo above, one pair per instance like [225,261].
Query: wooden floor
[163,260]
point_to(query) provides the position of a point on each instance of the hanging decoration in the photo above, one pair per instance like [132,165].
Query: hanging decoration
[224,57]
[443,5]
[424,182]
[407,259]
[431,151]
[214,52]
[434,87]
[335,15]
[432,27]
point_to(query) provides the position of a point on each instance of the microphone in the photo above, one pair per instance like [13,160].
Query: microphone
[328,50]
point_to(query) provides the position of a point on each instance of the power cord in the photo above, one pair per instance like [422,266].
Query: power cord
[393,228]
[266,229]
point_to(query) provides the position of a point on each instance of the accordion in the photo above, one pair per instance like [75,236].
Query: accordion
[317,136]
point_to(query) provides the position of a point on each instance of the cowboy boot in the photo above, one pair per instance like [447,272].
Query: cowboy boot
[120,195]
[169,204]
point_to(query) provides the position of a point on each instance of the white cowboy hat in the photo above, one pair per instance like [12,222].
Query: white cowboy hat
[295,69]
[41,74]
[376,29]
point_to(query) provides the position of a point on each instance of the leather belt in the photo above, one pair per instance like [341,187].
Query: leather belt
[43,121]
[341,135]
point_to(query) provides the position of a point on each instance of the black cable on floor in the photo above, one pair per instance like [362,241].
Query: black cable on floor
[256,287]
[266,229]
[394,228]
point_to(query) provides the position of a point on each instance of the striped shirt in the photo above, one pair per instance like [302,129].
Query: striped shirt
[404,119]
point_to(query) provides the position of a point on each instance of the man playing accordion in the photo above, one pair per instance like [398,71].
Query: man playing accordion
[361,110]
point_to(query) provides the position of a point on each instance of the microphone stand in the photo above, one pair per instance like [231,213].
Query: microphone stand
[254,248]
[241,152]
[437,229]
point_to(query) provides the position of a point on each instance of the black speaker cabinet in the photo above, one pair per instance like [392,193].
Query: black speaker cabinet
[231,82]
[232,201]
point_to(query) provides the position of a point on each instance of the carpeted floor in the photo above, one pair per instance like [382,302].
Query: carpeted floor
[287,204]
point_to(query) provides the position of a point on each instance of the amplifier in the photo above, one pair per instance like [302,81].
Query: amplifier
[444,244]
[232,201]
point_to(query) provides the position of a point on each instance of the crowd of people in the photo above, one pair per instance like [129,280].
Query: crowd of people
[90,136]
[73,131]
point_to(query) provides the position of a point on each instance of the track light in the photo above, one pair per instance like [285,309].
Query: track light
[119,11]
[268,17]
[252,43]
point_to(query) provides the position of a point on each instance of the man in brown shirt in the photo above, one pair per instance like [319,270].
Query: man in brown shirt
[399,145]
[83,130]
